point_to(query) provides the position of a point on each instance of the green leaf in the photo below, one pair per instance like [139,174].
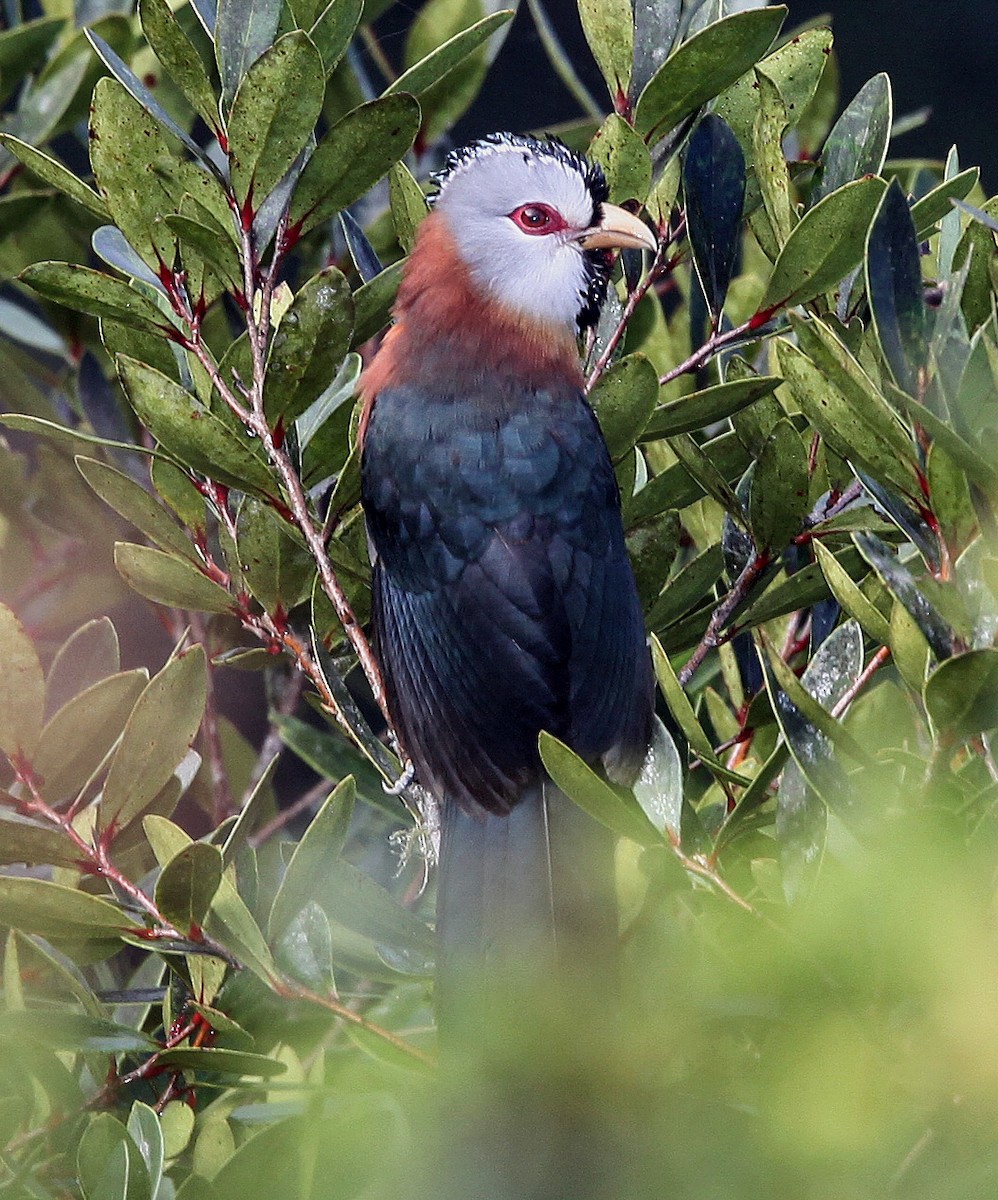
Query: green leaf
[22,688]
[431,69]
[334,28]
[177,1124]
[611,806]
[795,67]
[681,708]
[895,291]
[321,844]
[74,1031]
[703,67]
[851,596]
[131,501]
[180,59]
[774,222]
[309,345]
[244,29]
[624,399]
[825,246]
[210,244]
[88,655]
[961,695]
[714,188]
[187,885]
[277,568]
[778,499]
[699,409]
[76,739]
[24,841]
[698,465]
[166,579]
[273,115]
[52,172]
[408,204]
[230,1063]
[688,588]
[609,29]
[373,301]
[92,292]
[159,732]
[144,1130]
[329,754]
[800,590]
[23,47]
[56,912]
[659,787]
[899,582]
[191,431]
[108,1163]
[938,203]
[358,150]
[857,144]
[71,440]
[624,158]
[843,420]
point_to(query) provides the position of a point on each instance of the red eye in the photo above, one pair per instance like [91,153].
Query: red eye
[537,218]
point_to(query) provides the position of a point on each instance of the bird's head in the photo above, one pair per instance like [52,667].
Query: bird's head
[531,222]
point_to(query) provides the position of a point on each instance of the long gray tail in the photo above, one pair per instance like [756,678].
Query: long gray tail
[521,899]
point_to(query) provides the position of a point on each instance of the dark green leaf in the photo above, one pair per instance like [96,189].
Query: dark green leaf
[851,597]
[408,204]
[181,60]
[895,291]
[169,580]
[938,203]
[857,144]
[700,409]
[611,806]
[358,150]
[690,587]
[55,174]
[157,736]
[773,223]
[277,568]
[22,688]
[187,885]
[847,426]
[431,69]
[373,301]
[93,293]
[676,488]
[23,47]
[828,243]
[334,28]
[800,590]
[961,695]
[215,247]
[624,399]
[330,755]
[309,345]
[704,66]
[778,500]
[273,115]
[191,431]
[714,187]
[899,582]
[237,1063]
[24,841]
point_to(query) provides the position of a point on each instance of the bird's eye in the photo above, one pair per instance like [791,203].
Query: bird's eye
[537,218]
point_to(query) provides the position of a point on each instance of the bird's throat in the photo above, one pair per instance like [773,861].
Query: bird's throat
[449,334]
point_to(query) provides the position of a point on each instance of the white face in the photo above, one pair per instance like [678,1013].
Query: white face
[516,216]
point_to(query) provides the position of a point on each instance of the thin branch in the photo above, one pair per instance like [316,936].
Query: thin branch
[713,345]
[722,614]
[633,300]
[273,743]
[312,797]
[872,667]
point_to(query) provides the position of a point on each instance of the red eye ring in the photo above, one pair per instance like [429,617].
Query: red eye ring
[538,219]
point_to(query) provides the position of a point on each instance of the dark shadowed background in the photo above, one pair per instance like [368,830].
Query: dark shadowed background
[938,53]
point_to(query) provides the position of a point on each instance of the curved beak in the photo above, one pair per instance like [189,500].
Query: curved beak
[618,230]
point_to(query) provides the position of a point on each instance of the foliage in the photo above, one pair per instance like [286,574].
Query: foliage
[798,392]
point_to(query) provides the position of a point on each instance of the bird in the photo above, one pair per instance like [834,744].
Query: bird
[504,603]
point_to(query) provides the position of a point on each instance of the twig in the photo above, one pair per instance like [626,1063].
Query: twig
[273,743]
[633,300]
[711,638]
[715,343]
[286,815]
[872,667]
